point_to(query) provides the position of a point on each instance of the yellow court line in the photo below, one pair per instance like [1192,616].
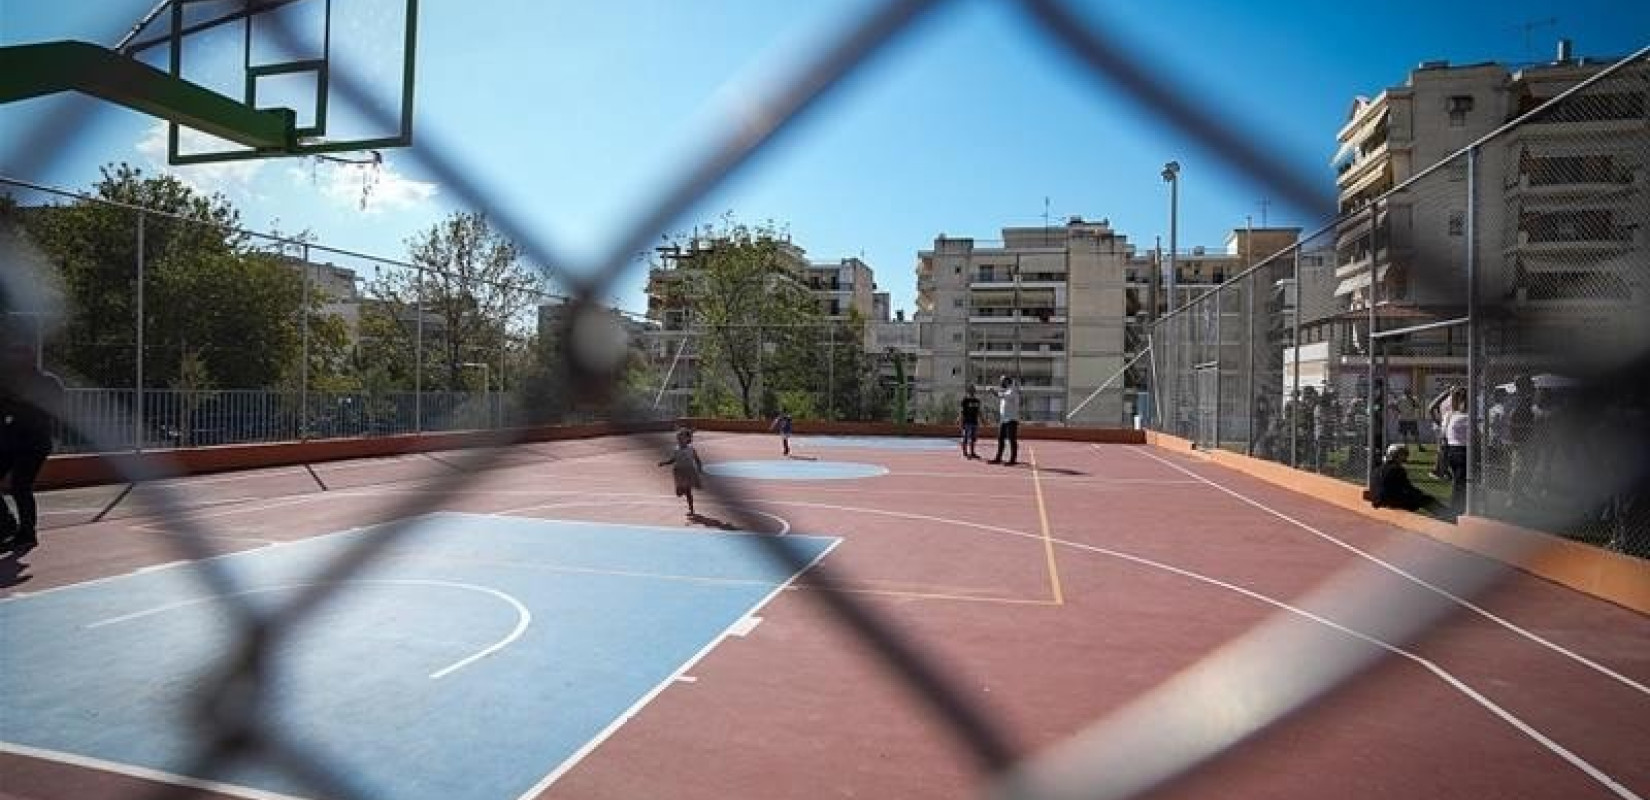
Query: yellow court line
[1048,541]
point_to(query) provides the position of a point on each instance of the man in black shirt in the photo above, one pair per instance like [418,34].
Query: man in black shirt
[29,397]
[970,421]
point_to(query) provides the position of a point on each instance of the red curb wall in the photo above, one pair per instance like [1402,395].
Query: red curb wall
[66,471]
[1620,579]
[821,427]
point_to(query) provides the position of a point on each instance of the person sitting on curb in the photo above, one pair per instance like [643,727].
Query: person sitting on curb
[1392,487]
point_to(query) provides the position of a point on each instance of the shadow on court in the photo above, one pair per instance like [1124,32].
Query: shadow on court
[1074,473]
[12,570]
[712,522]
[795,457]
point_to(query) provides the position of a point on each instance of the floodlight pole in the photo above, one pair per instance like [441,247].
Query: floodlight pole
[1171,175]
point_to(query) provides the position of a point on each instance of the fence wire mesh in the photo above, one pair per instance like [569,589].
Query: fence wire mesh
[1283,362]
[1512,269]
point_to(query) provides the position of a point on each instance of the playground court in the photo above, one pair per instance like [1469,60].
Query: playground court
[559,628]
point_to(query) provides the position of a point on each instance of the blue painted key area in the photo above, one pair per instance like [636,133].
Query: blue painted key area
[470,660]
[795,470]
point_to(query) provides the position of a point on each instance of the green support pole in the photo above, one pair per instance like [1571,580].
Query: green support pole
[34,70]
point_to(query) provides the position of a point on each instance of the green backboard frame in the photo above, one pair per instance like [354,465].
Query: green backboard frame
[309,139]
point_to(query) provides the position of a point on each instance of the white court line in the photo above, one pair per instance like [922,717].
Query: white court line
[1001,473]
[524,618]
[784,524]
[1430,666]
[144,773]
[1418,580]
[636,708]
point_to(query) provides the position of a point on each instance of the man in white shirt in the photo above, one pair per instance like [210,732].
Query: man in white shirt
[1008,420]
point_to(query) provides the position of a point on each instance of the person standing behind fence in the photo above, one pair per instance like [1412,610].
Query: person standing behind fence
[1323,430]
[1521,437]
[1409,418]
[1457,425]
[29,399]
[1008,420]
[969,419]
[1436,411]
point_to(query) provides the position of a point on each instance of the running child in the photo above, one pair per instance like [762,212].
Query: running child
[685,466]
[969,419]
[782,423]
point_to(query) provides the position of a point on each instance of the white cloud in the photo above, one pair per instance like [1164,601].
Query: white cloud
[233,178]
[369,189]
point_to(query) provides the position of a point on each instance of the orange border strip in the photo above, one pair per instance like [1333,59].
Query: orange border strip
[1620,579]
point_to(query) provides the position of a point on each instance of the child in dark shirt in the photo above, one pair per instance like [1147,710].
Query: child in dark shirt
[969,419]
[782,423]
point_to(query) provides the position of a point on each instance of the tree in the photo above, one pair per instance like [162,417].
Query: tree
[746,301]
[214,307]
[471,289]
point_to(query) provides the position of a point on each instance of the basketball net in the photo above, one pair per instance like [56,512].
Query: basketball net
[369,166]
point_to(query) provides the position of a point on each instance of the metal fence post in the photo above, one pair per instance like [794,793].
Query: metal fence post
[303,367]
[1219,298]
[1370,342]
[137,389]
[1476,398]
[1295,378]
[1249,336]
[418,352]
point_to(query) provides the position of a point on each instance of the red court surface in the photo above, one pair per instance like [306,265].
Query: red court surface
[1053,596]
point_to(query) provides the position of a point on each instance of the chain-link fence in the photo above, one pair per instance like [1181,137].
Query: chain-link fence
[177,331]
[1290,361]
[1513,269]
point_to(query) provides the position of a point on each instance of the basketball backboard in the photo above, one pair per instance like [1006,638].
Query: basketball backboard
[343,67]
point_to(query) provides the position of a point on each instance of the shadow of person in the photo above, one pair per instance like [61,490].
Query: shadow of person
[13,571]
[795,457]
[1062,471]
[711,522]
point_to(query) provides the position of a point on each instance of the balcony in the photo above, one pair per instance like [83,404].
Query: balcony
[1030,280]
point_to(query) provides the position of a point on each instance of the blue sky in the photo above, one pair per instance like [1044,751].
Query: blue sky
[572,116]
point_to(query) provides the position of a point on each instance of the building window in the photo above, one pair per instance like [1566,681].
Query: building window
[954,371]
[956,337]
[1458,107]
[1457,223]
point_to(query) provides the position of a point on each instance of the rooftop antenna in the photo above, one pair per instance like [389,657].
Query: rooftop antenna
[1264,204]
[1045,220]
[1528,27]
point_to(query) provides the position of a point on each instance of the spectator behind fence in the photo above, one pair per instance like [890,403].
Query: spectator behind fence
[1392,487]
[1436,410]
[1494,462]
[1409,418]
[1521,444]
[29,399]
[1457,424]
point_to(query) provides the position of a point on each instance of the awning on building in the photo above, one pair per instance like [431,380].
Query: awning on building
[1359,281]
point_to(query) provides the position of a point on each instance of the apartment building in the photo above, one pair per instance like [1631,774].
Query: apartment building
[1046,304]
[1559,212]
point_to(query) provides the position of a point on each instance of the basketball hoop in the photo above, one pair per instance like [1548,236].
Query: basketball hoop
[370,165]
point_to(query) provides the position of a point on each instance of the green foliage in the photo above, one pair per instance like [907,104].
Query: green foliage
[208,297]
[746,298]
[472,290]
[939,409]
